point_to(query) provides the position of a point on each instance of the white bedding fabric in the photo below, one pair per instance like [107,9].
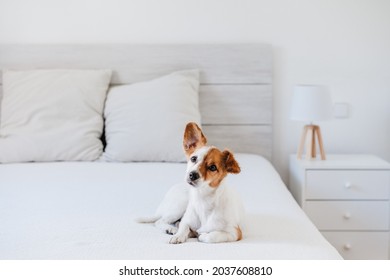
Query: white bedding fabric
[160,108]
[86,210]
[52,115]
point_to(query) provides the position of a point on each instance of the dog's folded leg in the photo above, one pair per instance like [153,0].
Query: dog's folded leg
[168,227]
[221,236]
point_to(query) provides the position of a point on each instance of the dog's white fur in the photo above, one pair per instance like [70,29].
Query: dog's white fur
[171,209]
[204,204]
[214,213]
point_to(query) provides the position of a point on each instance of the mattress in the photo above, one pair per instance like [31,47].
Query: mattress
[87,210]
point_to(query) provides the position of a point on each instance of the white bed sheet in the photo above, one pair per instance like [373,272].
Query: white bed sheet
[86,210]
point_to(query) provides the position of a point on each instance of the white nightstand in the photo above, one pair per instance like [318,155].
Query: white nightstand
[347,198]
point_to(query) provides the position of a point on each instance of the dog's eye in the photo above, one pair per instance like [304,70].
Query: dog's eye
[212,168]
[194,158]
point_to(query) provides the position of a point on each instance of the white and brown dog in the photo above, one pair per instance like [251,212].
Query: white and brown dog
[205,206]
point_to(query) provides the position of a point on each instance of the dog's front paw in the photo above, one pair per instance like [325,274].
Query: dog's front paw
[177,239]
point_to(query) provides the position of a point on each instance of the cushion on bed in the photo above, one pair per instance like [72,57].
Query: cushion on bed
[52,115]
[145,121]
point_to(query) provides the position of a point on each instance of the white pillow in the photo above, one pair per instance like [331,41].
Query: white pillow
[52,115]
[146,121]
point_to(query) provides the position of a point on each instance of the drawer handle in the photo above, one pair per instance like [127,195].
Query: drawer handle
[347,247]
[347,216]
[348,185]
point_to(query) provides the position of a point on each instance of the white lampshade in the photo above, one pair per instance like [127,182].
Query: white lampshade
[311,103]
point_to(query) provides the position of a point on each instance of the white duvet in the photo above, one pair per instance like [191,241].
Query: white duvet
[86,210]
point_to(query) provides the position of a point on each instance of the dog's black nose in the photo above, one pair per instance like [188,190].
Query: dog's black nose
[193,176]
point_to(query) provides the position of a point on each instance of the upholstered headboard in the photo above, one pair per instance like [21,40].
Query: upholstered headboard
[236,80]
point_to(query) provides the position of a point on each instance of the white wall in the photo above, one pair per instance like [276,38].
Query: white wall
[344,44]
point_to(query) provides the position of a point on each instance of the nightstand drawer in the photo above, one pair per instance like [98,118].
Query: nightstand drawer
[349,215]
[347,184]
[360,245]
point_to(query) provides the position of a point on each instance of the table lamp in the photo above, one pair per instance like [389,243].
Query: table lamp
[311,103]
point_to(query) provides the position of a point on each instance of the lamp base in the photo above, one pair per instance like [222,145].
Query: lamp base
[309,134]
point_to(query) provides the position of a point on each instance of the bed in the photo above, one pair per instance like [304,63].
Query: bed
[73,206]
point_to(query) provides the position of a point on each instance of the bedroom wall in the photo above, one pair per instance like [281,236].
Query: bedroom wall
[343,44]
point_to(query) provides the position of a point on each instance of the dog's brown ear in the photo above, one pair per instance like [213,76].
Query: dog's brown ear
[193,138]
[230,162]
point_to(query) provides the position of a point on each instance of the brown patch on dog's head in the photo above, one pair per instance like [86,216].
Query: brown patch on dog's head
[216,165]
[193,139]
[230,162]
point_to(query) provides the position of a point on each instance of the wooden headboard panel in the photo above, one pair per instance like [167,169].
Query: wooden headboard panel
[236,80]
